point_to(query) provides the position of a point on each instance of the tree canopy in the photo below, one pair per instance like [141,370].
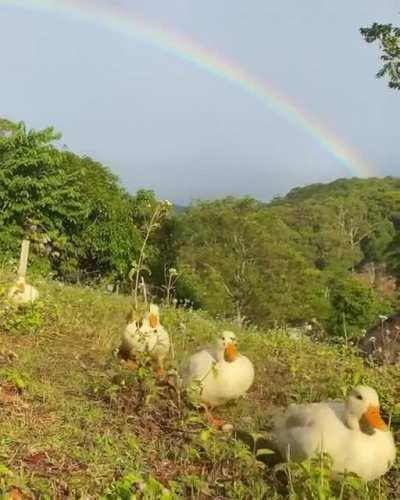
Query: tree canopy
[388,38]
[327,253]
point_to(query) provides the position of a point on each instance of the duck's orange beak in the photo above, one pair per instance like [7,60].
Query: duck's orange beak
[230,353]
[373,418]
[153,320]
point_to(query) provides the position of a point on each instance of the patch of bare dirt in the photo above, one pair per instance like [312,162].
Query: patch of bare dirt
[46,463]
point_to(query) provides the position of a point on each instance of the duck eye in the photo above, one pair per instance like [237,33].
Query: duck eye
[223,338]
[358,396]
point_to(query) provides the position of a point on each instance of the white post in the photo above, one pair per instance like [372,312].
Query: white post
[23,260]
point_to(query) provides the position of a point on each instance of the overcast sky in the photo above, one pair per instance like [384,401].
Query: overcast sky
[160,122]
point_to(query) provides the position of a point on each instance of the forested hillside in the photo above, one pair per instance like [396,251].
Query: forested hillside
[328,254]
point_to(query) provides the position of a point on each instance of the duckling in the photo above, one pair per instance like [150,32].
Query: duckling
[218,374]
[22,293]
[352,432]
[145,334]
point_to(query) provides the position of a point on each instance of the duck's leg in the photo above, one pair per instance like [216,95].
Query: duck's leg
[132,364]
[127,357]
[214,421]
[160,369]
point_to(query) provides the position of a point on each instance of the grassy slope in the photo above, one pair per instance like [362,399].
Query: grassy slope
[75,424]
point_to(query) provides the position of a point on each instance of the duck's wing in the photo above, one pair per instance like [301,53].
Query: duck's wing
[314,414]
[294,433]
[198,365]
[338,408]
[297,416]
[304,428]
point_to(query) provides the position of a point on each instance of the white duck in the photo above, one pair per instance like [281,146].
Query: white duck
[146,335]
[352,432]
[218,374]
[22,293]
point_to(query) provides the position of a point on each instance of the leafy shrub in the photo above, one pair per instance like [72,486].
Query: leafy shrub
[354,306]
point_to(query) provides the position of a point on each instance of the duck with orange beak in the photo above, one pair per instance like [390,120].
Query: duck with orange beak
[218,374]
[352,432]
[145,334]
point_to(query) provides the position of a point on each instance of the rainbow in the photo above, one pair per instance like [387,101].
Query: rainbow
[127,22]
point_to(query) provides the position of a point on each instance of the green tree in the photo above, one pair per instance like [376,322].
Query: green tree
[277,262]
[73,209]
[388,38]
[354,306]
[7,127]
[107,239]
[237,258]
[37,196]
[393,255]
